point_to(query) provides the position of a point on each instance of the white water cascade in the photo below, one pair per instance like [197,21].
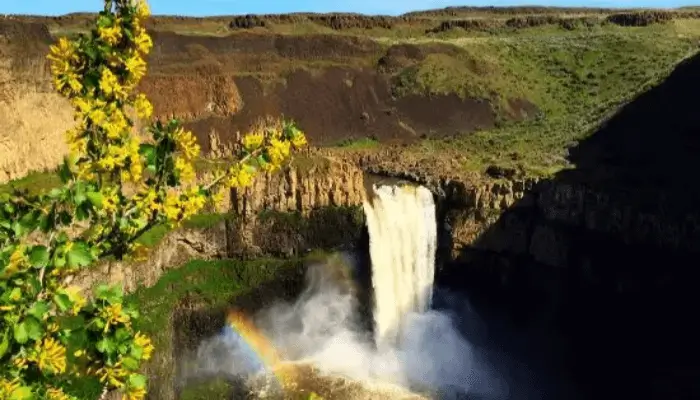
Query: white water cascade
[403,240]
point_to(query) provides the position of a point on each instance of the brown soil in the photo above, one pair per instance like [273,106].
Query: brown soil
[340,104]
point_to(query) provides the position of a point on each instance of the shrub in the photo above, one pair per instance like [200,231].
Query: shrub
[114,189]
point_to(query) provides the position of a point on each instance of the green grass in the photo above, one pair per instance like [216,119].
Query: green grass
[206,283]
[201,285]
[358,144]
[34,182]
[574,78]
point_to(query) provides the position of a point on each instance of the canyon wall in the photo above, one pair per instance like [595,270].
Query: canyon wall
[33,117]
[283,214]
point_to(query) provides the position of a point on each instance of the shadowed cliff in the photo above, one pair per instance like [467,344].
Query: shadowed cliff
[606,254]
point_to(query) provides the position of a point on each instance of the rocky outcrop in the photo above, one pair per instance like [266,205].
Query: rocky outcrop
[546,219]
[310,205]
[173,251]
[313,204]
[33,117]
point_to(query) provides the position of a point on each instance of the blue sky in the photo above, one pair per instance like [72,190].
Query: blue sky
[224,7]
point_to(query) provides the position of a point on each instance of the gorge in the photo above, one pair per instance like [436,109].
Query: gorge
[560,153]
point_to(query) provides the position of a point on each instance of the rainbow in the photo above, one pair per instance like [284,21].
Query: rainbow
[257,348]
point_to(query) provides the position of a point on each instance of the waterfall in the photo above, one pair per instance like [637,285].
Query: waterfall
[403,239]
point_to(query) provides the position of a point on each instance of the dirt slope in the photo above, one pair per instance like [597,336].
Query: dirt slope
[336,86]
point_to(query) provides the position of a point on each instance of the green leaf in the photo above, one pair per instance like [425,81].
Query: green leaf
[149,153]
[34,328]
[106,345]
[22,393]
[34,286]
[20,333]
[71,322]
[81,213]
[64,171]
[30,220]
[55,193]
[4,343]
[60,261]
[39,256]
[76,339]
[15,294]
[136,352]
[39,309]
[79,255]
[111,294]
[79,198]
[130,363]
[47,222]
[98,323]
[62,301]
[121,334]
[95,199]
[137,381]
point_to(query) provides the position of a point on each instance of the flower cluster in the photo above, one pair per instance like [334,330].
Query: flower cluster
[116,186]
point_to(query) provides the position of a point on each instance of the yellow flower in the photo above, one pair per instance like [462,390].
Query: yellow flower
[253,141]
[56,394]
[97,116]
[7,387]
[109,83]
[172,207]
[142,10]
[50,356]
[64,50]
[186,143]
[113,315]
[144,109]
[218,197]
[245,176]
[111,34]
[65,76]
[116,125]
[134,394]
[74,293]
[112,375]
[20,362]
[240,176]
[137,66]
[194,202]
[185,169]
[147,201]
[299,140]
[139,252]
[144,43]
[278,151]
[109,202]
[18,259]
[85,170]
[145,343]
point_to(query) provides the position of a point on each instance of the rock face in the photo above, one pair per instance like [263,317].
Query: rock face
[33,117]
[302,208]
[284,214]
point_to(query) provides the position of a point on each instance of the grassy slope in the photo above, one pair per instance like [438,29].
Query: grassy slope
[206,283]
[575,78]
